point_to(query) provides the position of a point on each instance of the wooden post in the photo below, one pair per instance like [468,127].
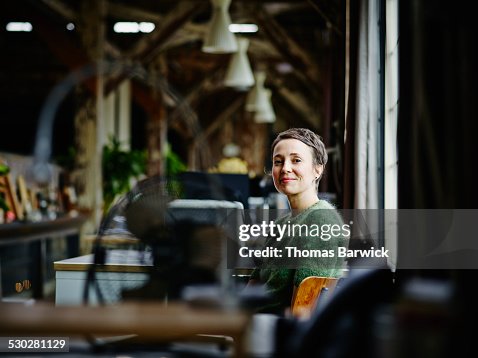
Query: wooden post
[89,126]
[154,129]
[157,127]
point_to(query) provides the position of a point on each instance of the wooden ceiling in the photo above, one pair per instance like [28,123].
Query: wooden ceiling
[300,45]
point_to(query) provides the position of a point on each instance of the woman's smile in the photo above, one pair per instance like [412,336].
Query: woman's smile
[287,180]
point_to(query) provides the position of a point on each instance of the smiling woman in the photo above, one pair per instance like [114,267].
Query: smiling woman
[299,159]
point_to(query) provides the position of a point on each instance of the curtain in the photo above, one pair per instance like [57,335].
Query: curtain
[391,120]
[366,144]
[391,105]
[367,151]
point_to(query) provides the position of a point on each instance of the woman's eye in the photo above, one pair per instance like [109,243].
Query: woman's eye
[277,162]
[297,160]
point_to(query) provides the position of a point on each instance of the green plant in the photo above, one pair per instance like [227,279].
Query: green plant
[174,164]
[120,167]
[4,170]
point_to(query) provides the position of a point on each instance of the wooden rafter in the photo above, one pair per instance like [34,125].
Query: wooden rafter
[62,46]
[133,13]
[146,49]
[186,33]
[286,46]
[73,56]
[61,8]
[225,115]
[203,156]
[319,8]
[69,14]
[297,102]
[209,83]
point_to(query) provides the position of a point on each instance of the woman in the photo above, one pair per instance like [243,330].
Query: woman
[299,159]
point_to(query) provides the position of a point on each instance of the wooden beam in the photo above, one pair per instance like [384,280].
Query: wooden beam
[201,140]
[112,51]
[62,46]
[210,83]
[147,49]
[224,116]
[263,50]
[322,13]
[187,33]
[132,13]
[286,46]
[297,102]
[71,54]
[61,8]
[277,8]
[69,14]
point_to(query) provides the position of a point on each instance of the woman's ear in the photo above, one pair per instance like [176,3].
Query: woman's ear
[319,169]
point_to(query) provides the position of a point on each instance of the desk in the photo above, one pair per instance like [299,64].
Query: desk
[152,322]
[123,269]
[35,235]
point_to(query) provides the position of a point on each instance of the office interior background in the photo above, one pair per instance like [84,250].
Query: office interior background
[110,93]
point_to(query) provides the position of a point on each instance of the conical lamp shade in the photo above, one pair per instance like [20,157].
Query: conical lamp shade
[239,73]
[218,38]
[266,114]
[256,97]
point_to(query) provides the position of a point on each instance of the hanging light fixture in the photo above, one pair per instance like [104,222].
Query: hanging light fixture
[266,114]
[256,97]
[239,73]
[231,150]
[218,38]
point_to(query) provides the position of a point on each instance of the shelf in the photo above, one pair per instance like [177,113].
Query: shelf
[25,254]
[12,233]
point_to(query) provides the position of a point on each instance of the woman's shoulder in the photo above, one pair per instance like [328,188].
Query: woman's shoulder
[322,209]
[325,211]
[324,204]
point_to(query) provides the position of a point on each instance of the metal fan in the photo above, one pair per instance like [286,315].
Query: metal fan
[180,241]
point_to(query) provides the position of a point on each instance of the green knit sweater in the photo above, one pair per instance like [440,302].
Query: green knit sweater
[280,281]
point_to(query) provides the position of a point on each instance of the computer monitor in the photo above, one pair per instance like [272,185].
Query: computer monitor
[216,186]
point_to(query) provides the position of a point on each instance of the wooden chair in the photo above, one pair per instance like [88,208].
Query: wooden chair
[307,294]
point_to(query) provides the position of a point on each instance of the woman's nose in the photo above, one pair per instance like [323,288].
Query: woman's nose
[286,167]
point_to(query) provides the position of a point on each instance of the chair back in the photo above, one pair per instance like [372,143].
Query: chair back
[341,319]
[308,293]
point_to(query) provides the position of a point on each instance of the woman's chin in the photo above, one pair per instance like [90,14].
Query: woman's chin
[287,191]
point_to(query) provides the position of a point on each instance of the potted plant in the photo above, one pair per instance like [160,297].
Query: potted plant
[120,168]
[4,169]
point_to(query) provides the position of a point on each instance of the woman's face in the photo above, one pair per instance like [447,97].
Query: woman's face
[293,168]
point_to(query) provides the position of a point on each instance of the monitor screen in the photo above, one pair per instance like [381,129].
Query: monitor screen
[217,186]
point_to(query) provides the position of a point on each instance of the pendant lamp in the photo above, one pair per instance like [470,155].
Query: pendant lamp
[265,114]
[218,38]
[239,73]
[231,150]
[256,97]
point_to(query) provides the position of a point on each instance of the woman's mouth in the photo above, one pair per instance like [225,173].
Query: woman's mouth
[286,180]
